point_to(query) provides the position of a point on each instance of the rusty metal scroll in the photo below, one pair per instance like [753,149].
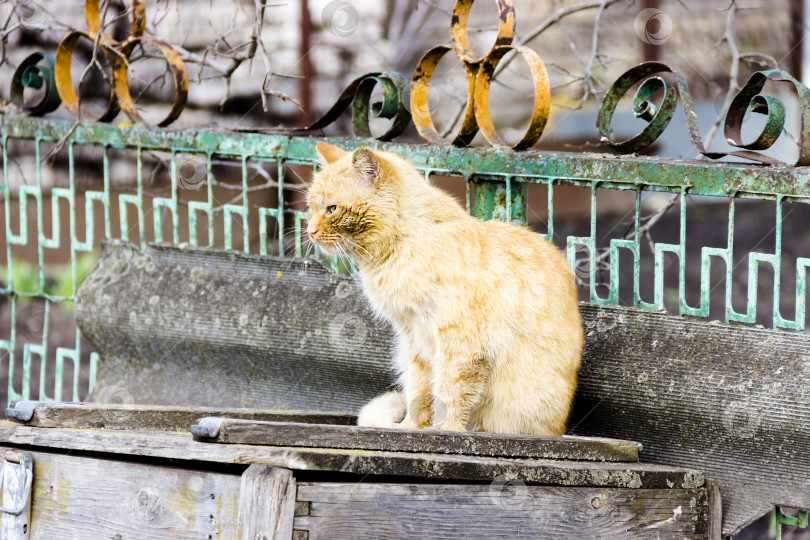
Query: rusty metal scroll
[117,55]
[658,117]
[479,72]
[36,72]
[358,94]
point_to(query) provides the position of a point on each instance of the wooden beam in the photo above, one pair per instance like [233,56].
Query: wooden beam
[266,504]
[715,511]
[150,417]
[238,431]
[499,511]
[181,446]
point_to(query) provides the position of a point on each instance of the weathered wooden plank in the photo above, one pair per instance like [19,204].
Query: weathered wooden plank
[267,504]
[150,417]
[731,400]
[715,510]
[363,462]
[403,511]
[82,497]
[224,430]
[187,326]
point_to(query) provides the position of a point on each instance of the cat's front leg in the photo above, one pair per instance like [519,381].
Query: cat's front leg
[416,382]
[460,380]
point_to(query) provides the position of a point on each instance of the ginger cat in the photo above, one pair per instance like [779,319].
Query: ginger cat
[486,313]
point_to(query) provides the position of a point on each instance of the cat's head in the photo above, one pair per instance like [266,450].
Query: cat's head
[352,201]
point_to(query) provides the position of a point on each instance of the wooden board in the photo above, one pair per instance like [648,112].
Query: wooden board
[181,446]
[224,430]
[730,400]
[150,417]
[267,503]
[416,511]
[89,498]
[209,328]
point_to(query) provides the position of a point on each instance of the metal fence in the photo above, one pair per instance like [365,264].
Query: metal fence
[242,191]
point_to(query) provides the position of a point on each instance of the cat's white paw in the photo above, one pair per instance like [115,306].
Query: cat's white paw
[386,411]
[408,423]
[450,426]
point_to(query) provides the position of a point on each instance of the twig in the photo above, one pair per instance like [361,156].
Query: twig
[553,19]
[733,83]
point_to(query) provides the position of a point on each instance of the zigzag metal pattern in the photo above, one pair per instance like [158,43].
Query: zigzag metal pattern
[707,255]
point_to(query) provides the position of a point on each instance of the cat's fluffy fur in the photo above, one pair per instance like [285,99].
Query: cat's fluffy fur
[486,313]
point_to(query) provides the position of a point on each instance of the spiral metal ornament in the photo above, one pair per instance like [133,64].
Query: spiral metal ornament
[420,106]
[179,76]
[64,80]
[117,55]
[747,100]
[479,72]
[31,73]
[750,99]
[542,96]
[358,94]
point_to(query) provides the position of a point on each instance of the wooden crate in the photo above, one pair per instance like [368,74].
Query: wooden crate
[132,472]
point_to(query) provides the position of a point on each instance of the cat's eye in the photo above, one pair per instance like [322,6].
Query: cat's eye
[331,210]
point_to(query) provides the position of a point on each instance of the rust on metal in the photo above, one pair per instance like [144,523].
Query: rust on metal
[31,73]
[117,55]
[652,78]
[64,80]
[542,96]
[92,14]
[358,94]
[176,66]
[420,106]
[748,99]
[479,73]
[458,28]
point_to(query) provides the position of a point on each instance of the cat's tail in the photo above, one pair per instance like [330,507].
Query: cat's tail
[385,410]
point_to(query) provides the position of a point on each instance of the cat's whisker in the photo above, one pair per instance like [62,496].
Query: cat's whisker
[348,261]
[344,257]
[355,244]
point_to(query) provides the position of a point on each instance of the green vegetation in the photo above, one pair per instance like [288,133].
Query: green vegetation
[57,280]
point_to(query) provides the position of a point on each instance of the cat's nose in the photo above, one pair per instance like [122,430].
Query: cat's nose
[312,230]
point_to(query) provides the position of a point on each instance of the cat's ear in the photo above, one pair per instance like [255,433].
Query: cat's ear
[366,163]
[329,153]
